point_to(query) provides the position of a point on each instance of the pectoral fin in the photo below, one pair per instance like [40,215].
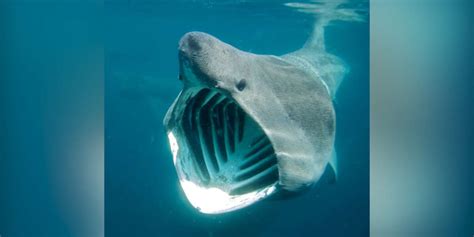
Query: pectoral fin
[333,165]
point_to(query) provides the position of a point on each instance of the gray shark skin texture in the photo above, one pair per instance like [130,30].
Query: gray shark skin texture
[247,126]
[293,108]
[291,104]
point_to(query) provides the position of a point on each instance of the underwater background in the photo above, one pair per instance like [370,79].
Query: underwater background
[142,192]
[52,90]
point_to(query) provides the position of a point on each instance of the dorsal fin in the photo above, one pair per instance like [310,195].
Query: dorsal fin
[324,13]
[313,56]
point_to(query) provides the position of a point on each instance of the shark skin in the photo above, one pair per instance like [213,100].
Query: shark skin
[279,134]
[285,96]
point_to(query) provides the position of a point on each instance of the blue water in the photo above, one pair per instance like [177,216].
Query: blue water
[142,193]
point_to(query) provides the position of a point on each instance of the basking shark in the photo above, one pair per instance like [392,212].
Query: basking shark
[248,126]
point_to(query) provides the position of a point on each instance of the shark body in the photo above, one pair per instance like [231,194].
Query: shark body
[247,126]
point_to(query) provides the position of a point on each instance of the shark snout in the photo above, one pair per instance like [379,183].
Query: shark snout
[194,43]
[205,59]
[194,51]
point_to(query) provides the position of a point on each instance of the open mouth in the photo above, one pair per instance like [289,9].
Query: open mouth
[231,154]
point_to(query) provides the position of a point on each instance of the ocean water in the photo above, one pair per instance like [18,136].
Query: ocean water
[142,192]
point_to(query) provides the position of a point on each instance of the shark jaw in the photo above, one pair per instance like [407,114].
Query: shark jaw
[223,158]
[216,201]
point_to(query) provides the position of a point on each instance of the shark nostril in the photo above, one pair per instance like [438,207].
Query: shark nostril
[193,43]
[241,85]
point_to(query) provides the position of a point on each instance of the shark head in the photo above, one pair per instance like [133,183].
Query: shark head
[245,126]
[205,60]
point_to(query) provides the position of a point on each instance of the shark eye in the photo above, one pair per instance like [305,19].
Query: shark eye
[241,85]
[228,153]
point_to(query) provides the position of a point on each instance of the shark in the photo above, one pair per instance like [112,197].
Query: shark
[245,126]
